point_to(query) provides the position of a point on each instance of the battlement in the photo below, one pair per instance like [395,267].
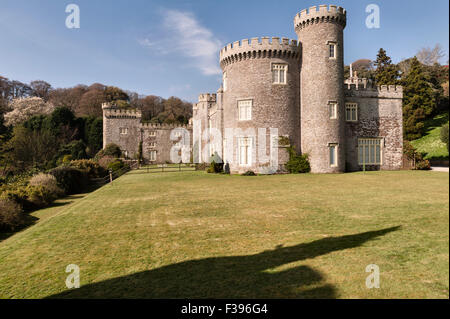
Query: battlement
[112,111]
[324,13]
[163,126]
[264,47]
[207,97]
[383,91]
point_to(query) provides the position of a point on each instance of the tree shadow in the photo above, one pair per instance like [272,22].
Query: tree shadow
[249,276]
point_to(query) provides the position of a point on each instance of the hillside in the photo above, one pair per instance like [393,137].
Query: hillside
[431,143]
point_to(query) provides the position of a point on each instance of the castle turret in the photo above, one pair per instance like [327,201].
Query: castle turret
[320,33]
[260,91]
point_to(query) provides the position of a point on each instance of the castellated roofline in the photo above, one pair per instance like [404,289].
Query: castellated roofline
[207,97]
[325,13]
[258,48]
[164,126]
[381,91]
[110,110]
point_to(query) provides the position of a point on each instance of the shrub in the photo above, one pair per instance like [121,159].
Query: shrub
[109,150]
[297,163]
[249,173]
[47,181]
[11,214]
[30,197]
[105,161]
[92,168]
[423,165]
[201,166]
[70,179]
[215,167]
[444,134]
[116,165]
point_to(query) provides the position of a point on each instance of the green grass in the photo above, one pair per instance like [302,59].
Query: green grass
[199,235]
[431,143]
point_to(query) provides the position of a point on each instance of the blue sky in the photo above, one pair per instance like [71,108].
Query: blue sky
[171,47]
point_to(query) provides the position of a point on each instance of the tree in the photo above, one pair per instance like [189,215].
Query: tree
[69,98]
[91,103]
[428,56]
[24,108]
[418,101]
[40,89]
[113,94]
[386,73]
[444,135]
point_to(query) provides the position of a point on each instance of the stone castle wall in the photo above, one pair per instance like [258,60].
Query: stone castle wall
[155,137]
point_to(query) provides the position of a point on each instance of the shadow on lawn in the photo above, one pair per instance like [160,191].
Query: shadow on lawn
[232,277]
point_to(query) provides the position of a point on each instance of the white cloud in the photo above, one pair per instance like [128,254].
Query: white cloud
[182,33]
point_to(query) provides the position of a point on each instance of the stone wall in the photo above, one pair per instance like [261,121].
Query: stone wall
[379,116]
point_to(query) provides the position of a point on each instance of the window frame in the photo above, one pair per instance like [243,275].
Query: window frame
[249,151]
[335,51]
[152,158]
[123,130]
[335,155]
[349,107]
[335,110]
[152,133]
[276,68]
[370,146]
[248,114]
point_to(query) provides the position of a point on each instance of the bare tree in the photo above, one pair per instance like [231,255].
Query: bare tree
[430,56]
[40,89]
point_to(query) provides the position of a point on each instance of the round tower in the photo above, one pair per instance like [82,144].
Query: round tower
[320,33]
[260,91]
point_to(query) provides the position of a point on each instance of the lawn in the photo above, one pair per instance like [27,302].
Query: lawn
[431,143]
[197,235]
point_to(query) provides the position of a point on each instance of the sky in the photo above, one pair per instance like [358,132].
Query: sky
[171,47]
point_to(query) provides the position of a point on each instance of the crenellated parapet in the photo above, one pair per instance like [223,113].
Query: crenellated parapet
[383,91]
[207,97]
[164,126]
[325,13]
[112,111]
[257,48]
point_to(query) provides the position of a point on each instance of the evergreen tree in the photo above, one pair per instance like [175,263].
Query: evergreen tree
[386,73]
[418,101]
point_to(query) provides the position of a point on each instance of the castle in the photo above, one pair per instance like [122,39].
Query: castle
[279,94]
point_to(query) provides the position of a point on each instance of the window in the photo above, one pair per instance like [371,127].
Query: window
[279,73]
[351,112]
[245,110]
[245,151]
[369,151]
[152,156]
[332,50]
[125,154]
[152,144]
[333,154]
[332,106]
[224,80]
[123,131]
[152,133]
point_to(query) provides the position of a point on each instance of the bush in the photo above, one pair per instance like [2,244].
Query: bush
[47,181]
[71,180]
[116,165]
[444,134]
[105,161]
[423,165]
[92,168]
[249,173]
[11,215]
[215,167]
[297,163]
[109,150]
[201,166]
[30,197]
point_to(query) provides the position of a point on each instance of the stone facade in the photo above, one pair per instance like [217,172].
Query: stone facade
[301,108]
[125,128]
[278,93]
